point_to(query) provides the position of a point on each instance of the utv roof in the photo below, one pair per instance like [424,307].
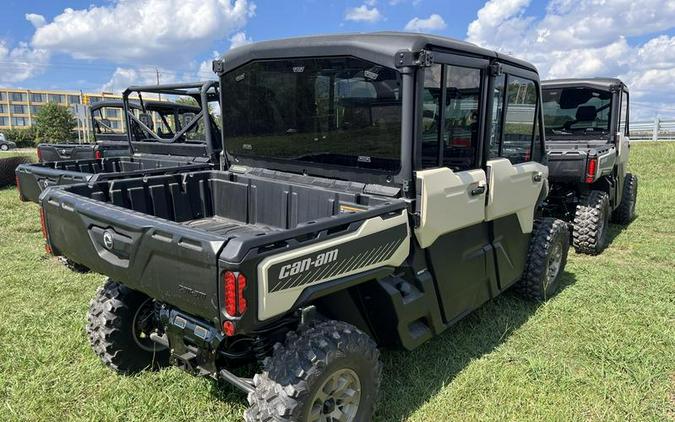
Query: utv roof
[377,47]
[598,83]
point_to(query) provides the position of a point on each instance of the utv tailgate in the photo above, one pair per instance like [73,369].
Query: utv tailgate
[170,262]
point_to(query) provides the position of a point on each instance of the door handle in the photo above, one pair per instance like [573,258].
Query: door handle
[537,177]
[479,190]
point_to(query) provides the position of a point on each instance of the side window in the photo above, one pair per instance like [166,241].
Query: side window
[497,110]
[623,117]
[521,107]
[431,115]
[460,117]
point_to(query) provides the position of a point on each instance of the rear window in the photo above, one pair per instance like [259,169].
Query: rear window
[575,111]
[338,111]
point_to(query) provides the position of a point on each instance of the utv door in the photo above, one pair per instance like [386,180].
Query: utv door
[452,186]
[516,178]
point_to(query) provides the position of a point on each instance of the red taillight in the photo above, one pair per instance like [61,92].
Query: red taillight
[228,328]
[591,170]
[230,293]
[241,300]
[39,154]
[234,285]
[43,226]
[98,154]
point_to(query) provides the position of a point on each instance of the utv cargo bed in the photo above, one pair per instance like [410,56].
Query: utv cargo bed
[32,179]
[168,235]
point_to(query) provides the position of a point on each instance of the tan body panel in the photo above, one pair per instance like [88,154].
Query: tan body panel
[271,304]
[446,203]
[514,189]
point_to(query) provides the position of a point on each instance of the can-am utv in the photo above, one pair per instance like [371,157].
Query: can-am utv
[379,188]
[586,124]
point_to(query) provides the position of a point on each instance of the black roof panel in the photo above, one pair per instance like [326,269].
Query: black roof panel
[378,47]
[598,83]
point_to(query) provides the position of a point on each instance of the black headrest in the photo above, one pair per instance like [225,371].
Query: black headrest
[586,113]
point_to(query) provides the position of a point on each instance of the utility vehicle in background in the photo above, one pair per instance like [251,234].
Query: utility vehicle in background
[110,141]
[586,124]
[376,189]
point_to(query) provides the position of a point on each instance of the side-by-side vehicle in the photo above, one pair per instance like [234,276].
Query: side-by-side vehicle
[375,189]
[586,124]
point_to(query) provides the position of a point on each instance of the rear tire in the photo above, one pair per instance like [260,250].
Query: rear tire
[546,259]
[625,212]
[4,147]
[120,321]
[591,222]
[73,266]
[330,369]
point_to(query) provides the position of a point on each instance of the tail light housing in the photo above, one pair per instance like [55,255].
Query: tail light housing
[18,188]
[234,285]
[591,169]
[98,154]
[39,153]
[45,234]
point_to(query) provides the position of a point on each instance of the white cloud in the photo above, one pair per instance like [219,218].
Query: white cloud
[123,77]
[363,14]
[583,38]
[433,23]
[38,21]
[20,63]
[146,31]
[239,39]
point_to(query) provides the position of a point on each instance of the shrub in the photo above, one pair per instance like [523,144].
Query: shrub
[7,167]
[24,138]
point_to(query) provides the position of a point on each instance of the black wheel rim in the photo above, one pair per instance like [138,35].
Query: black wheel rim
[143,325]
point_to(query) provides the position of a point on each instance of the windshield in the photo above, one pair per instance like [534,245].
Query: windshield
[576,111]
[328,111]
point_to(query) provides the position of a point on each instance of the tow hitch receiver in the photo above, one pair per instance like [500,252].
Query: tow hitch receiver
[194,347]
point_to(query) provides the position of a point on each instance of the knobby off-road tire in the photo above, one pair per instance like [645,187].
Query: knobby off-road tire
[331,368]
[73,266]
[591,223]
[625,212]
[546,259]
[116,333]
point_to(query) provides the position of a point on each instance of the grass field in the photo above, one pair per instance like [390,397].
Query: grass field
[603,349]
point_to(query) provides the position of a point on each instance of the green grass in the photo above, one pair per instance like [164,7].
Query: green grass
[603,349]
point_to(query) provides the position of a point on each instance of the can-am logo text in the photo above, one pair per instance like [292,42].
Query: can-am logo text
[307,264]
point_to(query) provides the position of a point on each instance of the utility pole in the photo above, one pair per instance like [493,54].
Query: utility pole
[157,73]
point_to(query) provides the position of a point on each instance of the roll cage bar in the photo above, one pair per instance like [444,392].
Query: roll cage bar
[202,92]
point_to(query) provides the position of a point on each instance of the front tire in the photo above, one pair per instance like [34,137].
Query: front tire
[591,222]
[546,259]
[4,147]
[330,370]
[625,212]
[120,321]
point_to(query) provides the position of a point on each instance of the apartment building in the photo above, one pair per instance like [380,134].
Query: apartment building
[19,106]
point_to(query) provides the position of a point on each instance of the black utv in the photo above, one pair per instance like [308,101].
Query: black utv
[376,189]
[588,147]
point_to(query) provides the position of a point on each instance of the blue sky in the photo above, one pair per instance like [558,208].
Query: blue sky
[109,44]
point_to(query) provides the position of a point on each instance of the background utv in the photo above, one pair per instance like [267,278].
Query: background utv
[376,188]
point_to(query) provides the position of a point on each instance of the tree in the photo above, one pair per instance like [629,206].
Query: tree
[54,123]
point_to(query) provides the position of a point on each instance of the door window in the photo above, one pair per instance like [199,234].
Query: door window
[457,106]
[460,117]
[513,139]
[623,117]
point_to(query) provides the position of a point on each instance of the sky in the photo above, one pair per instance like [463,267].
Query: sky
[111,44]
